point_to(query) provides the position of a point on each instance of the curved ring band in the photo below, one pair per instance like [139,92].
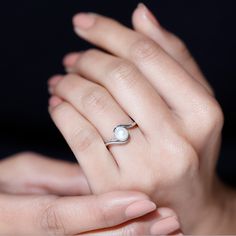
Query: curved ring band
[121,134]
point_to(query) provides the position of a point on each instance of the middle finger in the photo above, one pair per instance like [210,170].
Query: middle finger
[129,87]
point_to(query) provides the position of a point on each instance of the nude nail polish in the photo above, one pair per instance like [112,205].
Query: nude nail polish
[139,208]
[54,80]
[70,59]
[165,226]
[148,15]
[84,21]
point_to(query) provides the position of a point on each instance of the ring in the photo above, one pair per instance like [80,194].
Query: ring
[121,134]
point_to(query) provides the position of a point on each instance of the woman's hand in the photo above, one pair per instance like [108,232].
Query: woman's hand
[51,215]
[27,179]
[32,173]
[151,77]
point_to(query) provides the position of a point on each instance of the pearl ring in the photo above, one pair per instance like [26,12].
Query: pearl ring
[121,134]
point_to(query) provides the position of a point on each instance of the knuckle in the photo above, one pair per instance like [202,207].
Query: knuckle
[216,114]
[212,116]
[144,50]
[187,162]
[124,73]
[82,139]
[95,98]
[51,221]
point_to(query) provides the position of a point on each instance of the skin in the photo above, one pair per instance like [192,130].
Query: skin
[36,198]
[149,75]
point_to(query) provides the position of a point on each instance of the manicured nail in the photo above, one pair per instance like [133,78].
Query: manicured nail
[165,226]
[140,208]
[166,212]
[54,80]
[70,59]
[54,101]
[84,21]
[147,14]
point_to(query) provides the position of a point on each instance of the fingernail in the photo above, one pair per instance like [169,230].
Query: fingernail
[84,21]
[54,101]
[147,14]
[139,208]
[54,80]
[165,212]
[165,226]
[70,59]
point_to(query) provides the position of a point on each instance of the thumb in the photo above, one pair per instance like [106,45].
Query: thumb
[49,215]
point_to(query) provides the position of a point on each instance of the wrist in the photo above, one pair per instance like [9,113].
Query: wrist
[227,207]
[217,216]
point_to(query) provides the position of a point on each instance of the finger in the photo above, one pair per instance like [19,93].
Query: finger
[161,222]
[53,80]
[31,173]
[86,143]
[128,86]
[98,106]
[146,23]
[183,94]
[70,59]
[49,215]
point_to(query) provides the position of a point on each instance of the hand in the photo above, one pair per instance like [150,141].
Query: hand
[151,78]
[31,211]
[51,215]
[31,173]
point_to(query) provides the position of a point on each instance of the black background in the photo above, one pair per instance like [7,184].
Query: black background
[34,36]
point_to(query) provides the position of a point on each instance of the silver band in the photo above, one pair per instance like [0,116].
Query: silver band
[121,134]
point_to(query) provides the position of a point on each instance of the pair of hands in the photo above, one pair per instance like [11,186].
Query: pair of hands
[149,75]
[39,196]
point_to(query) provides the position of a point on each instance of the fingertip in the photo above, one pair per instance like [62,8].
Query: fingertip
[165,227]
[143,16]
[165,212]
[54,101]
[54,80]
[70,59]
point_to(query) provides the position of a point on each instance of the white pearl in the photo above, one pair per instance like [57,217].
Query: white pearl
[121,133]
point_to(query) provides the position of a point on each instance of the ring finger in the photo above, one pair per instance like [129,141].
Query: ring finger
[96,104]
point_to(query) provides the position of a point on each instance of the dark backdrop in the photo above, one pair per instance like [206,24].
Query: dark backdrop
[34,36]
